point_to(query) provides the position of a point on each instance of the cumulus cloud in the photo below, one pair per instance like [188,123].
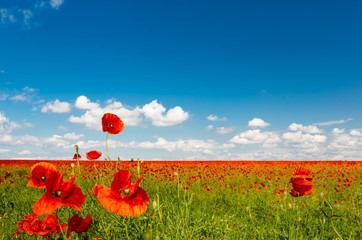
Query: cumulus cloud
[216,118]
[305,129]
[92,117]
[268,139]
[224,130]
[56,107]
[332,122]
[257,122]
[154,111]
[83,102]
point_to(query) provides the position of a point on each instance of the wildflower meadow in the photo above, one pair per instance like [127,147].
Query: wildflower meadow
[95,197]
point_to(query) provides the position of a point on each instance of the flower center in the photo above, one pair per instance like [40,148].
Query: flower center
[111,125]
[43,178]
[57,193]
[125,192]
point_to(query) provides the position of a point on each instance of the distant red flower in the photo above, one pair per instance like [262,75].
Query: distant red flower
[59,193]
[112,124]
[123,198]
[78,224]
[93,155]
[279,191]
[40,173]
[77,156]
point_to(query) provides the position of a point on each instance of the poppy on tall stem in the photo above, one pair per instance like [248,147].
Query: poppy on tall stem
[77,156]
[113,125]
[93,155]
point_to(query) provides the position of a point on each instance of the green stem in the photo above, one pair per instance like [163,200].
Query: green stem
[109,159]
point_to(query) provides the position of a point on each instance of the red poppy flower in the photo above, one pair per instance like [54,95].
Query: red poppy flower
[77,156]
[33,225]
[112,124]
[279,191]
[51,222]
[93,155]
[302,173]
[123,198]
[301,187]
[40,173]
[59,193]
[78,224]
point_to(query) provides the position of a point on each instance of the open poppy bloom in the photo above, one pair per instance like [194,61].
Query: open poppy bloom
[59,193]
[78,224]
[123,198]
[33,225]
[40,173]
[93,155]
[112,124]
[302,173]
[77,156]
[301,187]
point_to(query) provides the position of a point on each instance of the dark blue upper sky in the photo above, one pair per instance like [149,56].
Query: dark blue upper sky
[284,61]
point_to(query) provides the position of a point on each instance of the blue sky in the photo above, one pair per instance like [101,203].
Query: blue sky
[244,80]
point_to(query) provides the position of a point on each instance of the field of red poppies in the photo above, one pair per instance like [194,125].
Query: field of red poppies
[180,200]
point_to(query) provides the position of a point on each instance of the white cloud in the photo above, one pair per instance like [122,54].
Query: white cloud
[83,102]
[154,111]
[337,131]
[56,107]
[73,136]
[7,126]
[19,97]
[224,130]
[269,139]
[355,132]
[306,129]
[257,122]
[56,3]
[184,145]
[209,127]
[216,118]
[25,152]
[92,118]
[27,15]
[332,122]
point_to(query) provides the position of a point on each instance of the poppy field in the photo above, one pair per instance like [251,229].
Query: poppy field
[189,200]
[105,199]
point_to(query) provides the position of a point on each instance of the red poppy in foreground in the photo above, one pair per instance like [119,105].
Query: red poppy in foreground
[93,155]
[78,224]
[123,198]
[301,183]
[112,124]
[301,187]
[59,193]
[77,156]
[40,173]
[302,173]
[33,225]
